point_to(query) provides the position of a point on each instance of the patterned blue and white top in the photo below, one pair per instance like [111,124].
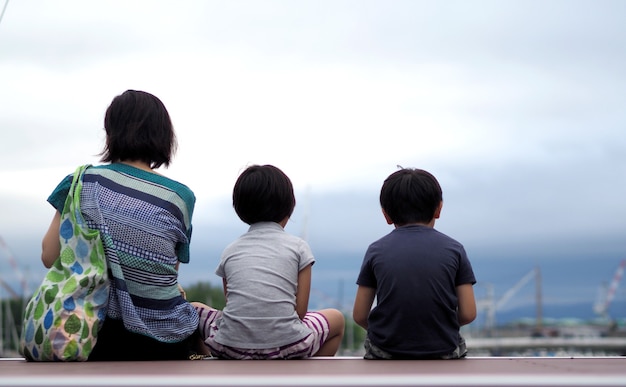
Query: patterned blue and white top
[145,222]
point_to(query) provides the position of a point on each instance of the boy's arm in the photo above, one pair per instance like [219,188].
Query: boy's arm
[467,304]
[304,289]
[363,304]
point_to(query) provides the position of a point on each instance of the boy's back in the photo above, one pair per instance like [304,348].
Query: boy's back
[415,270]
[261,268]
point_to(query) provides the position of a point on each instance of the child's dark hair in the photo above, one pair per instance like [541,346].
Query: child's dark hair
[263,193]
[410,196]
[138,127]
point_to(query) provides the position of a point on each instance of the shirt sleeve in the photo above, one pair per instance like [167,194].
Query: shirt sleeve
[59,195]
[306,255]
[366,275]
[182,250]
[465,274]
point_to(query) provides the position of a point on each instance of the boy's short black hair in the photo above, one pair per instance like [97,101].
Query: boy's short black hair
[263,193]
[410,196]
[138,127]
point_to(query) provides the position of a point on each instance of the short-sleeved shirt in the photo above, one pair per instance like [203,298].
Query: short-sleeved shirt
[261,270]
[415,270]
[144,220]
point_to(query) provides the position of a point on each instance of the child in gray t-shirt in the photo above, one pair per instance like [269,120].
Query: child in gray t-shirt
[267,278]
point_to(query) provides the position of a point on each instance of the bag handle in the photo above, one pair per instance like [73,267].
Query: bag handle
[72,202]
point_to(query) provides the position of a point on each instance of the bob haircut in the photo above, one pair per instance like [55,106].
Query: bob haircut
[410,196]
[138,128]
[263,193]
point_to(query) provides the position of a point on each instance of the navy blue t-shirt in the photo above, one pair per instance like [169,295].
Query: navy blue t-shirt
[415,270]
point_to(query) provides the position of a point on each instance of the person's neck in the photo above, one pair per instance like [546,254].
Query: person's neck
[283,222]
[138,164]
[430,224]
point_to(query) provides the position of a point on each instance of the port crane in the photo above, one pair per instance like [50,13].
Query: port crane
[8,330]
[18,275]
[601,306]
[9,289]
[490,305]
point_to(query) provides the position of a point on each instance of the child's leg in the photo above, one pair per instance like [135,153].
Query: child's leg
[372,352]
[207,317]
[336,322]
[460,351]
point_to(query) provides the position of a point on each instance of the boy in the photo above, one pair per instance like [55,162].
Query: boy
[422,279]
[267,279]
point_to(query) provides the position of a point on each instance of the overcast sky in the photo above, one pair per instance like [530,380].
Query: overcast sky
[518,107]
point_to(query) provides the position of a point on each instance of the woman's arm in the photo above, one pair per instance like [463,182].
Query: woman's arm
[467,304]
[303,292]
[363,304]
[51,244]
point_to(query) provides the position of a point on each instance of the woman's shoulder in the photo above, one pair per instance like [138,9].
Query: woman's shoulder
[127,175]
[128,171]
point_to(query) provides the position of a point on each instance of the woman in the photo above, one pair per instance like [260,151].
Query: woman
[144,219]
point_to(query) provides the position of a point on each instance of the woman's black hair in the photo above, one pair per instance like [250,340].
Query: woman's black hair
[138,128]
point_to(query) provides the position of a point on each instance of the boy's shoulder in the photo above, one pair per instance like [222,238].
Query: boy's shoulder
[270,232]
[417,233]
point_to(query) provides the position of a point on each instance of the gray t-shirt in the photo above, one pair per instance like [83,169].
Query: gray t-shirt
[261,270]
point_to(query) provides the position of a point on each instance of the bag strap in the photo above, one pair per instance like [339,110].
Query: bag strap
[72,202]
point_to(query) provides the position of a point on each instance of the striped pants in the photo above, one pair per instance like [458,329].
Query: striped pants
[306,347]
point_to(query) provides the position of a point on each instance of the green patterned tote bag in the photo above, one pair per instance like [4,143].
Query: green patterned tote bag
[62,319]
